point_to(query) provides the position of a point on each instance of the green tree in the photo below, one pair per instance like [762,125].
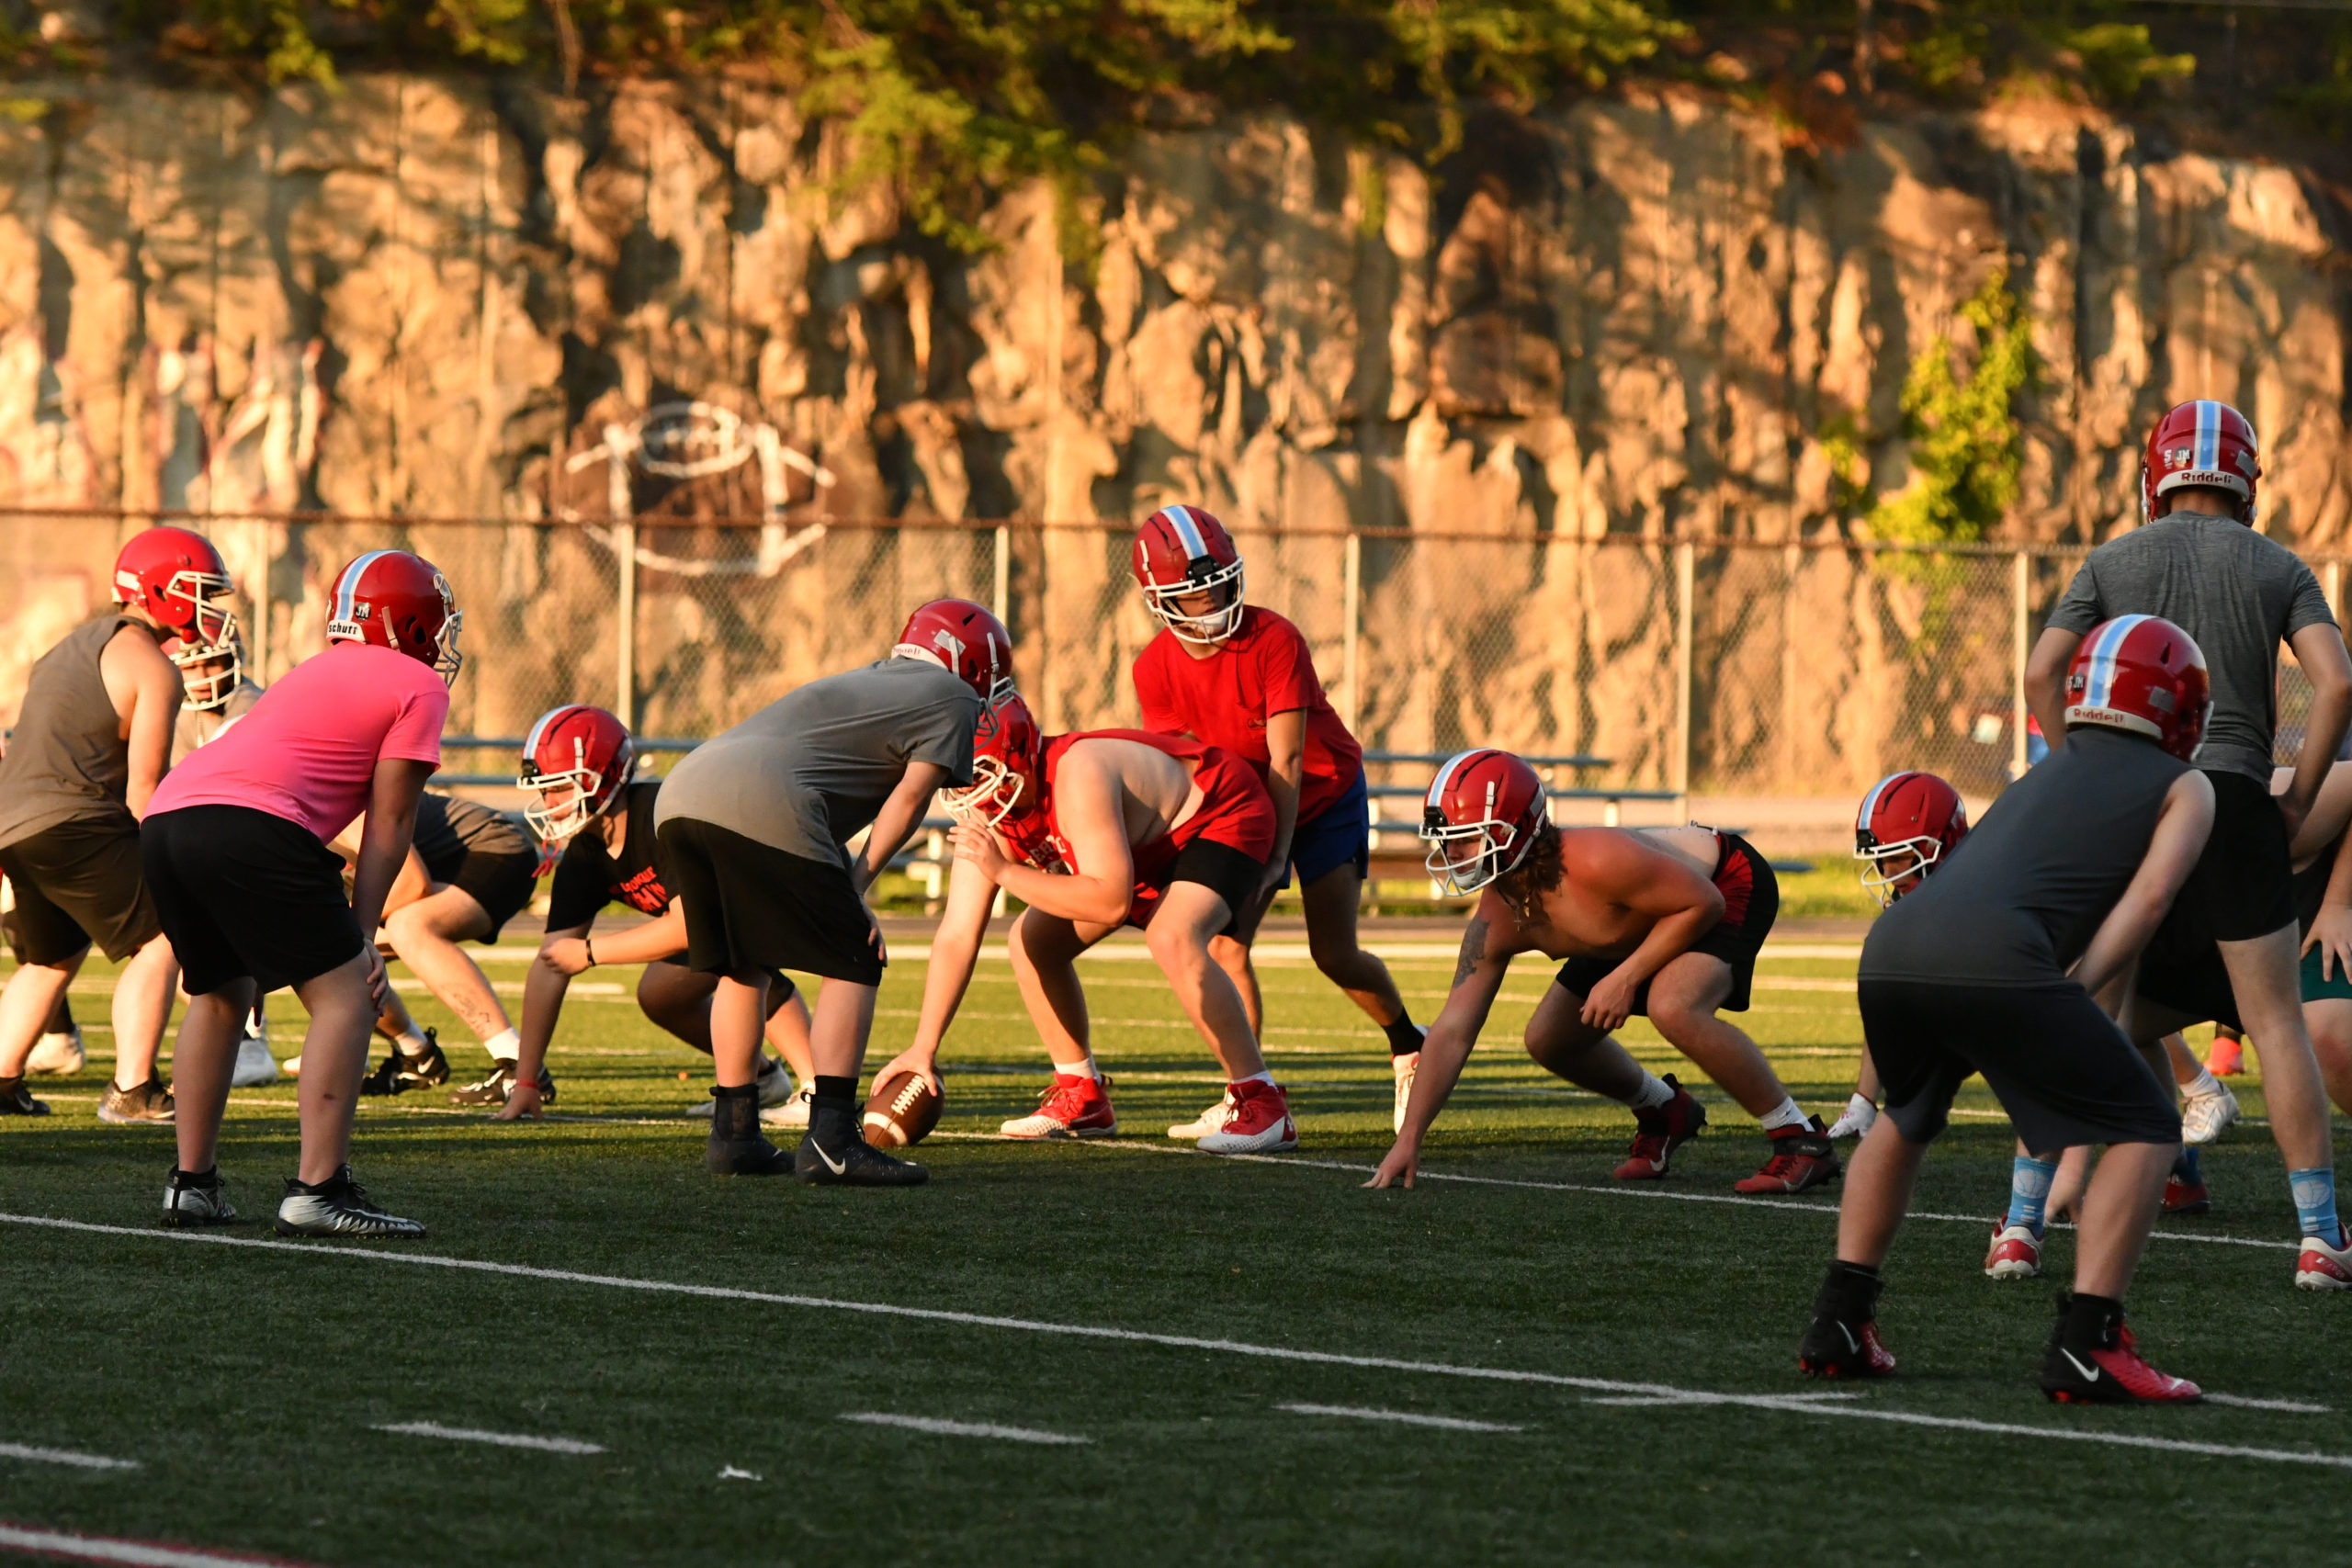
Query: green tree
[1966,448]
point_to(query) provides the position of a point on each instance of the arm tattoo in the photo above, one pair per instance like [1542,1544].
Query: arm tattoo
[1473,948]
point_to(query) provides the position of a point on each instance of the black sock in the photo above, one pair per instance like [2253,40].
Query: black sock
[1849,1293]
[208,1177]
[2091,1322]
[1403,1035]
[839,1092]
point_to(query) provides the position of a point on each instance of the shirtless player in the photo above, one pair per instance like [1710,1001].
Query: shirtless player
[1666,922]
[1109,827]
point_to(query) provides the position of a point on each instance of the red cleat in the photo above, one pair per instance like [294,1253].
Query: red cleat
[2115,1375]
[2324,1267]
[1802,1158]
[1075,1107]
[2227,1059]
[1659,1131]
[2016,1253]
[1260,1122]
[2186,1197]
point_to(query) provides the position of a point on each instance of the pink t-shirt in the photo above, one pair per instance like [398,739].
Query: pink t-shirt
[308,750]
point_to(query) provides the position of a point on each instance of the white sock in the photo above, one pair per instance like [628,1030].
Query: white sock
[506,1046]
[411,1041]
[1081,1069]
[1261,1076]
[1785,1114]
[2203,1083]
[1654,1091]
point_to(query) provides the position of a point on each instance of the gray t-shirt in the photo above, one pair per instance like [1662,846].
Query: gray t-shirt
[2021,897]
[2237,592]
[806,772]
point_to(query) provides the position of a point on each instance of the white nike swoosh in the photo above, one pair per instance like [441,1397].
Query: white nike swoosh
[1851,1343]
[838,1166]
[2090,1374]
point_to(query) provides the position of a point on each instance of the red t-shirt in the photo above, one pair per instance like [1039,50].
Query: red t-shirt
[1224,700]
[309,749]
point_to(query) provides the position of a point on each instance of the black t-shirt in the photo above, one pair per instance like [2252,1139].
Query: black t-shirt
[589,877]
[448,830]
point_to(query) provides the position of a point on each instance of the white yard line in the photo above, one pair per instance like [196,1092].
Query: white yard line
[499,1439]
[2291,1406]
[1779,1403]
[110,1549]
[1402,1417]
[66,1457]
[960,1429]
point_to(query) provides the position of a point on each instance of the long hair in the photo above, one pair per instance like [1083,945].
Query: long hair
[1524,886]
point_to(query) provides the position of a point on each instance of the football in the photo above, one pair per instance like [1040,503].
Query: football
[901,1110]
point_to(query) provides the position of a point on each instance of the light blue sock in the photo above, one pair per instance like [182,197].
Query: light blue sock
[2315,1193]
[2030,1180]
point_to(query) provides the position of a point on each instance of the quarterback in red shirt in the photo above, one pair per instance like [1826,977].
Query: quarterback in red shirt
[1239,677]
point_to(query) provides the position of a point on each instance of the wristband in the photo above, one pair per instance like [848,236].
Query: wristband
[589,942]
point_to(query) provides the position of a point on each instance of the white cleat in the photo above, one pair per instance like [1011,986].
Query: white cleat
[793,1111]
[2323,1267]
[1213,1120]
[1861,1116]
[255,1066]
[2205,1117]
[774,1083]
[2015,1254]
[1403,1068]
[58,1054]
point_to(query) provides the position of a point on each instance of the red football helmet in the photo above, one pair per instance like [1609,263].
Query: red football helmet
[1489,803]
[179,580]
[1008,765]
[2203,443]
[965,638]
[1183,550]
[584,750]
[392,599]
[1908,823]
[2144,674]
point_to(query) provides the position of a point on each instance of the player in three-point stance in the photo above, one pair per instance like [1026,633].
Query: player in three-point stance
[581,765]
[1106,828]
[235,848]
[1993,966]
[2228,949]
[92,745]
[1665,923]
[1239,677]
[750,832]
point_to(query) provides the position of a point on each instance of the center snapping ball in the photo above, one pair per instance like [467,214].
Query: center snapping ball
[901,1110]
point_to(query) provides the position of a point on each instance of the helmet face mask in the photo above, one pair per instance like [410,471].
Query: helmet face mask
[996,792]
[1481,820]
[209,675]
[1207,625]
[1008,762]
[1889,871]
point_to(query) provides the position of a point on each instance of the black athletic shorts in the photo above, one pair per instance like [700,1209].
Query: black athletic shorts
[1231,873]
[79,883]
[2242,887]
[245,893]
[1751,903]
[752,906]
[500,883]
[2061,1067]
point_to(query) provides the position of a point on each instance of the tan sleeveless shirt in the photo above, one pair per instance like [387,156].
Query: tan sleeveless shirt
[67,759]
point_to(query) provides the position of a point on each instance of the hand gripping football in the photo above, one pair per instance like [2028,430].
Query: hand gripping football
[901,1110]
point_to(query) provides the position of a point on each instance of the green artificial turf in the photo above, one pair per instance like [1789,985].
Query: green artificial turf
[247,1382]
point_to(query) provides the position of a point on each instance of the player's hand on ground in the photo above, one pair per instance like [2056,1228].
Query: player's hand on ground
[379,981]
[922,1063]
[2331,932]
[979,845]
[1399,1168]
[1611,1003]
[566,955]
[522,1101]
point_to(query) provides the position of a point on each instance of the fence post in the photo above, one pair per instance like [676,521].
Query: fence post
[1352,597]
[2021,612]
[1002,599]
[1685,567]
[625,558]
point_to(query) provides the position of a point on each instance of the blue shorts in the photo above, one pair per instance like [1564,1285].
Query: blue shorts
[1339,833]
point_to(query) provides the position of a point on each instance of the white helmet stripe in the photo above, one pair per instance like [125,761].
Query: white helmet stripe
[531,742]
[348,584]
[2208,436]
[2099,684]
[1445,775]
[1188,531]
[1870,801]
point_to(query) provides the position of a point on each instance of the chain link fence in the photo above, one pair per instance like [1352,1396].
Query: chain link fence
[1719,668]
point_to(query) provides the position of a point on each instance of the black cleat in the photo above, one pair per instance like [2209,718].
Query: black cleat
[497,1089]
[190,1199]
[1834,1347]
[338,1206]
[16,1099]
[2093,1359]
[149,1102]
[399,1072]
[834,1153]
[737,1146]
